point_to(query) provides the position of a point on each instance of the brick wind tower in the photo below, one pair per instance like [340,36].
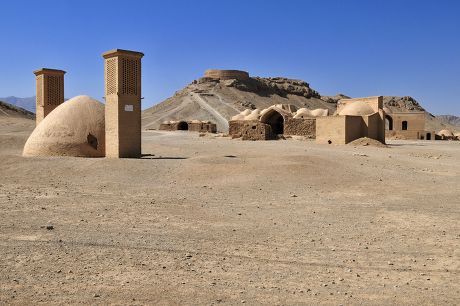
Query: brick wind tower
[122,103]
[50,91]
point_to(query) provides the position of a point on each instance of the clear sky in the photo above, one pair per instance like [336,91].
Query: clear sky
[359,48]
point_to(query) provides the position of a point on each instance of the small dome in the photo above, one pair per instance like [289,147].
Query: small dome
[74,128]
[238,117]
[445,133]
[252,116]
[358,108]
[246,112]
[305,112]
[320,112]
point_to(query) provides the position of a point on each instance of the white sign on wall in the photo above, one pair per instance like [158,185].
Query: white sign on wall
[129,108]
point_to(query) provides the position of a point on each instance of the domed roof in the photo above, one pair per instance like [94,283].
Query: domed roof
[445,133]
[320,112]
[238,117]
[74,128]
[358,108]
[305,112]
[246,112]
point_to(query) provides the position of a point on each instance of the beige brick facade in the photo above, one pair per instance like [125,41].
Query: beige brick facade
[122,103]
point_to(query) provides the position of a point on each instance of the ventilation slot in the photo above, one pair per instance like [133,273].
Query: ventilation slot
[111,76]
[39,97]
[55,90]
[131,69]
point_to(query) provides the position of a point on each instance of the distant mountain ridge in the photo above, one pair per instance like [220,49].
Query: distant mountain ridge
[25,103]
[449,119]
[13,111]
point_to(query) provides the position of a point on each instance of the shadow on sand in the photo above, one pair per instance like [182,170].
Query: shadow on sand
[152,156]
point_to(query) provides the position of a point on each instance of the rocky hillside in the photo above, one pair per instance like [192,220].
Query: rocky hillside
[218,100]
[402,104]
[449,119]
[12,111]
[25,103]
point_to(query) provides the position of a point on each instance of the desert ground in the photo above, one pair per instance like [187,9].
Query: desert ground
[210,220]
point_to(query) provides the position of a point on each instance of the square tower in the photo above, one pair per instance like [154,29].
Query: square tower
[122,103]
[50,91]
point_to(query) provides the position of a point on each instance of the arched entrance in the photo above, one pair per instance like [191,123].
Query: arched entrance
[275,120]
[404,126]
[428,136]
[388,123]
[182,126]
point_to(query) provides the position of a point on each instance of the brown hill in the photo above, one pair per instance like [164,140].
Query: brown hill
[218,100]
[449,120]
[9,110]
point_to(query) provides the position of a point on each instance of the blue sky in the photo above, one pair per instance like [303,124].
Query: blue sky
[359,48]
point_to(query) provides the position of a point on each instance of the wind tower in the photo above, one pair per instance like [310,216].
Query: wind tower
[50,91]
[122,103]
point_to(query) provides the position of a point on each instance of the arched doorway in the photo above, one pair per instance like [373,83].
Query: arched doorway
[275,120]
[404,126]
[388,123]
[182,126]
[428,136]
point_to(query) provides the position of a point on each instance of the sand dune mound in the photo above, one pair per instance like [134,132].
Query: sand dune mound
[74,128]
[365,141]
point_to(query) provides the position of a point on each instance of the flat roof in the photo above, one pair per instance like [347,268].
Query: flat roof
[115,52]
[48,70]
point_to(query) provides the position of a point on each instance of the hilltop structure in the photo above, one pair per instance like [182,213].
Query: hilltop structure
[49,91]
[226,74]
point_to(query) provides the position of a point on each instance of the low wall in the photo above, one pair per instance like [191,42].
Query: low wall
[300,127]
[202,127]
[250,130]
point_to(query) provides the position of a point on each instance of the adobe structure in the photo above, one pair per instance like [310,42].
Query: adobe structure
[191,125]
[122,103]
[354,118]
[74,128]
[49,91]
[400,125]
[270,123]
[226,74]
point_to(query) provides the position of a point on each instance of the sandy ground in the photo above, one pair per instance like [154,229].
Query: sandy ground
[210,220]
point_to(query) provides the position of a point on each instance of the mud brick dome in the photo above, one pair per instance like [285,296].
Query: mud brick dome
[74,128]
[358,108]
[226,74]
